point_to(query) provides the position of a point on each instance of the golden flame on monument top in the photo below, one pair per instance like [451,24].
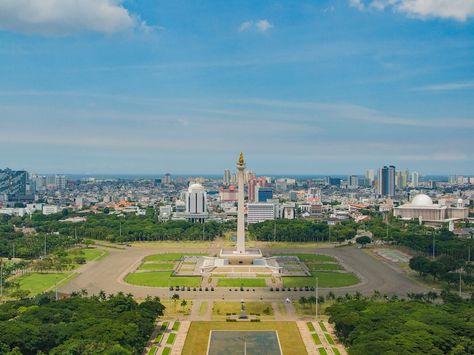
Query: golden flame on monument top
[241,159]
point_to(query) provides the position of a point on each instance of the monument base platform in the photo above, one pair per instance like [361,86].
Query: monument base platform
[236,258]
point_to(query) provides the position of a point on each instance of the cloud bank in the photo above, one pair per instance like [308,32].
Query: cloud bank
[459,10]
[65,17]
[262,25]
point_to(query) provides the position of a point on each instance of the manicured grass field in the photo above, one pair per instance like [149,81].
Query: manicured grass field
[312,257]
[93,253]
[323,327]
[325,279]
[316,339]
[198,335]
[322,351]
[336,351]
[232,282]
[152,350]
[174,309]
[39,282]
[327,266]
[166,351]
[171,338]
[221,308]
[160,279]
[176,326]
[329,338]
[156,266]
[203,308]
[310,327]
[167,256]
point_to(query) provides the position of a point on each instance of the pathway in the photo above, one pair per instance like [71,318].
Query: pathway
[307,338]
[180,338]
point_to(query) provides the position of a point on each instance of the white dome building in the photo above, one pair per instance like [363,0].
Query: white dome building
[422,207]
[196,203]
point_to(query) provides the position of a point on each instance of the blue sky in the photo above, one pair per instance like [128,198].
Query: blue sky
[314,87]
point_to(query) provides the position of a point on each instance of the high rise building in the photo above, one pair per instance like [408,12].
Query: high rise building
[353,181]
[259,212]
[415,179]
[227,177]
[386,181]
[370,175]
[60,182]
[13,184]
[196,203]
[166,179]
[262,194]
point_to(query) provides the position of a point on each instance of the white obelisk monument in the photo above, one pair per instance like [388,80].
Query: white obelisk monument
[240,208]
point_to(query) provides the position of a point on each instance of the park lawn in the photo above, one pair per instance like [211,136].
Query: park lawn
[167,256]
[323,327]
[325,279]
[329,338]
[232,282]
[176,326]
[198,335]
[310,327]
[203,308]
[316,339]
[161,279]
[322,351]
[166,351]
[327,266]
[156,266]
[92,254]
[174,308]
[221,308]
[336,351]
[41,282]
[152,350]
[171,338]
[311,257]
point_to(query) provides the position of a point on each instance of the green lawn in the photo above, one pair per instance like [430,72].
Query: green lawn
[152,350]
[311,257]
[166,351]
[156,266]
[232,282]
[329,338]
[310,327]
[167,256]
[336,351]
[316,339]
[328,266]
[322,351]
[203,308]
[323,327]
[325,279]
[160,279]
[176,326]
[288,334]
[39,282]
[222,308]
[170,339]
[93,253]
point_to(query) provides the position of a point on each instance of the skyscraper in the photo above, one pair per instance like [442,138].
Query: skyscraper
[13,184]
[370,174]
[227,177]
[353,181]
[386,181]
[415,177]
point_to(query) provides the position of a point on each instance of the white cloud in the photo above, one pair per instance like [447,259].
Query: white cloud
[358,4]
[447,86]
[459,10]
[261,25]
[246,25]
[63,17]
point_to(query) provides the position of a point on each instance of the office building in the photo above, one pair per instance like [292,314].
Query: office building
[227,177]
[166,179]
[196,203]
[386,181]
[260,212]
[13,185]
[370,175]
[60,182]
[263,194]
[415,179]
[353,181]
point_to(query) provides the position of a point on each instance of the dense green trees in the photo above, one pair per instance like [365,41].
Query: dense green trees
[301,230]
[405,327]
[444,268]
[78,325]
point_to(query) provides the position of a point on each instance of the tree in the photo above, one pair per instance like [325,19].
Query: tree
[420,264]
[363,240]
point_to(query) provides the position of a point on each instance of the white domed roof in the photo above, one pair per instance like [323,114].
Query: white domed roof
[195,187]
[422,200]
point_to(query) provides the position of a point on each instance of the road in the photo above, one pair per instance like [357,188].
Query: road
[107,274]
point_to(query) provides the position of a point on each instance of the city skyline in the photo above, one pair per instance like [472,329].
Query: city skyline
[145,87]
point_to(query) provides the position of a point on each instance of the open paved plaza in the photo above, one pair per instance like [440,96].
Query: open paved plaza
[108,274]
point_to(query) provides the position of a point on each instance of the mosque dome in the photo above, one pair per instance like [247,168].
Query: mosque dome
[422,200]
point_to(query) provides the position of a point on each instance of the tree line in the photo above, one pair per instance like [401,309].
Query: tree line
[111,325]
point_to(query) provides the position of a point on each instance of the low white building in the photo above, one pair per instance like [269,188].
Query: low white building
[50,209]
